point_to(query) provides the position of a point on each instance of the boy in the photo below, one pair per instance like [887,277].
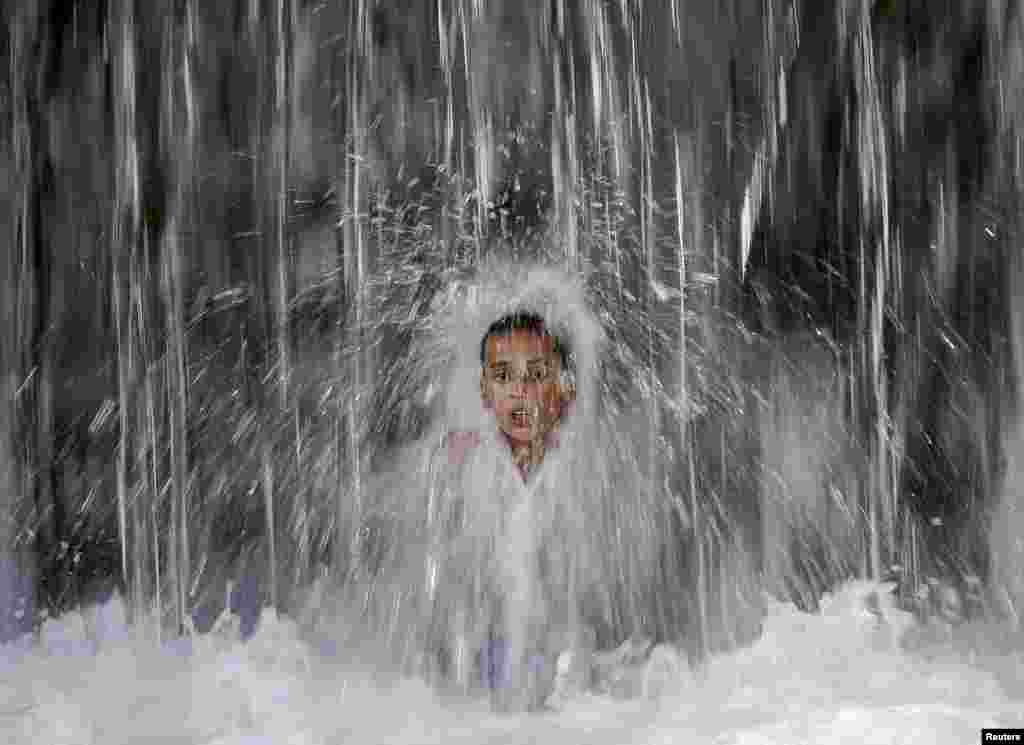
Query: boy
[497,589]
[524,382]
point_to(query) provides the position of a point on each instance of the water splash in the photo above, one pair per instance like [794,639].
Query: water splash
[886,217]
[456,549]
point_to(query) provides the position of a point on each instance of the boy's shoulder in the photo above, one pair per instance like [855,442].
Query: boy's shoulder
[458,444]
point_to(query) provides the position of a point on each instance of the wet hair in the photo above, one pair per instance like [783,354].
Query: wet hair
[524,321]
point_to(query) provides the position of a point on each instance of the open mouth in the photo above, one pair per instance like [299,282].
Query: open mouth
[521,417]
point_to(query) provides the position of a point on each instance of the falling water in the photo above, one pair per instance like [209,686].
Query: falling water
[787,257]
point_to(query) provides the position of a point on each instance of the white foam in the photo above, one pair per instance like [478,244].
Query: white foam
[810,678]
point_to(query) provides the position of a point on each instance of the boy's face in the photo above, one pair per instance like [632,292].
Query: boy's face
[521,379]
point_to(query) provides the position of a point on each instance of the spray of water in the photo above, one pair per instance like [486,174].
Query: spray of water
[455,547]
[678,146]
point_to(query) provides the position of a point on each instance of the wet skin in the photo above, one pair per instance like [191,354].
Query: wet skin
[522,383]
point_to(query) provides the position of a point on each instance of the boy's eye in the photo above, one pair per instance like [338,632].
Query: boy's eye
[532,375]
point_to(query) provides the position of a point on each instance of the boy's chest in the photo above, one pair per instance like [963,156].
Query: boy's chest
[486,482]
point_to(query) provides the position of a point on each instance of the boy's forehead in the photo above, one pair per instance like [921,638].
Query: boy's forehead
[519,343]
